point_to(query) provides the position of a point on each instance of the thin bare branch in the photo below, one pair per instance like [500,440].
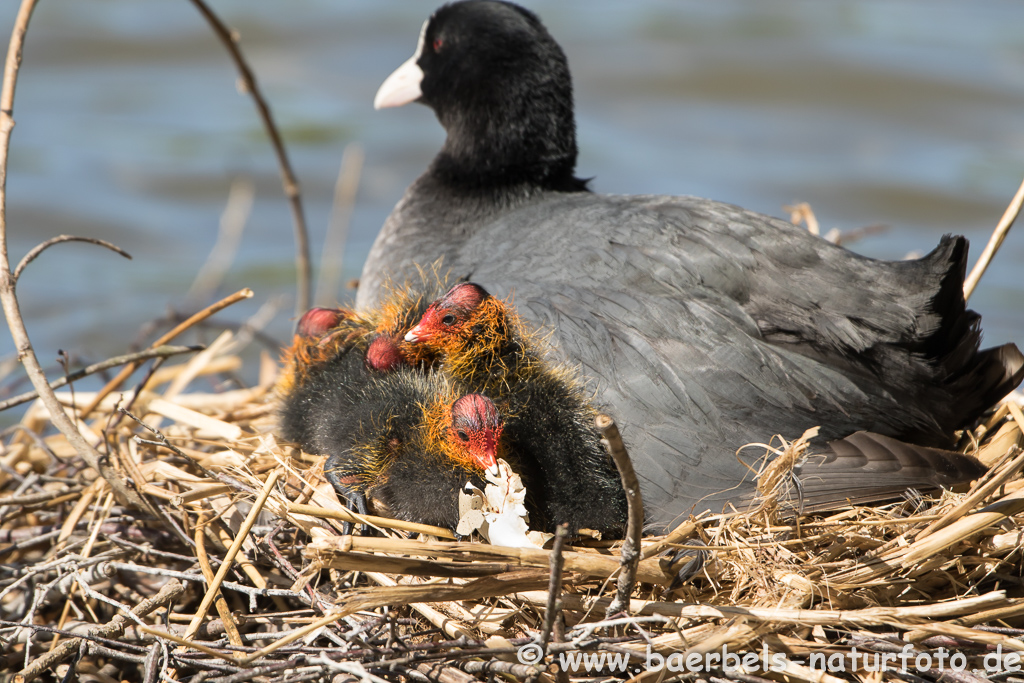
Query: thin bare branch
[635,524]
[39,248]
[554,606]
[994,242]
[288,180]
[171,590]
[158,352]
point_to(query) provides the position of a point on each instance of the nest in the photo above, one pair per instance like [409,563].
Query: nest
[239,569]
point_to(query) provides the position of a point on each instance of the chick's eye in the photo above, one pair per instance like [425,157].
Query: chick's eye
[463,436]
[438,44]
[448,319]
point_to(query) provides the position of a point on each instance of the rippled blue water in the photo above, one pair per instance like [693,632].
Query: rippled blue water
[907,114]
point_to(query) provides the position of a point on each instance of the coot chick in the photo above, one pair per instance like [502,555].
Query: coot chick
[404,442]
[480,342]
[701,326]
[323,334]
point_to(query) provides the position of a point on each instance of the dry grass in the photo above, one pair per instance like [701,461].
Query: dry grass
[299,601]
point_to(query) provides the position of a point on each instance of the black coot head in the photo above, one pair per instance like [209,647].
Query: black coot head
[500,86]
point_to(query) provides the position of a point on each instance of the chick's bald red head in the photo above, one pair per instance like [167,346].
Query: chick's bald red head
[449,313]
[477,425]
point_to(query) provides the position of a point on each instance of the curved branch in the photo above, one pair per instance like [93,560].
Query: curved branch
[26,354]
[288,180]
[39,248]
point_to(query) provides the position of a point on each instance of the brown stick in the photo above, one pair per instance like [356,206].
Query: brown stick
[158,352]
[219,602]
[288,180]
[178,329]
[994,242]
[635,506]
[229,556]
[115,628]
[341,552]
[554,606]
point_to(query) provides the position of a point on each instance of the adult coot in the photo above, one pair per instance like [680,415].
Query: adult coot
[702,326]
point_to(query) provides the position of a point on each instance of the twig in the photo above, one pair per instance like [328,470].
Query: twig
[230,585]
[635,506]
[554,606]
[158,352]
[178,329]
[229,556]
[40,248]
[994,242]
[187,643]
[171,591]
[204,562]
[288,180]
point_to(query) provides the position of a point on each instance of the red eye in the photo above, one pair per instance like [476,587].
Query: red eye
[438,44]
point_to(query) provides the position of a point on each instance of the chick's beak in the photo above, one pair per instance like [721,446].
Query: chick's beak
[487,458]
[415,334]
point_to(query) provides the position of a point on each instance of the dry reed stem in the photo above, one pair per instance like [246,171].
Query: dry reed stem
[977,495]
[994,242]
[332,256]
[229,235]
[379,522]
[229,556]
[219,602]
[187,643]
[192,320]
[338,552]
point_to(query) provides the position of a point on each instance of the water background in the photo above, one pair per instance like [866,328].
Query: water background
[907,114]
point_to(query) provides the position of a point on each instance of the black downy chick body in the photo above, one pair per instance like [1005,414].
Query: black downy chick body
[480,342]
[405,440]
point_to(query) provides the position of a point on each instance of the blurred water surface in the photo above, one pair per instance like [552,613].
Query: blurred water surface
[908,114]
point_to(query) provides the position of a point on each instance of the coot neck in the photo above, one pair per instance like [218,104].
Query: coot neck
[506,154]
